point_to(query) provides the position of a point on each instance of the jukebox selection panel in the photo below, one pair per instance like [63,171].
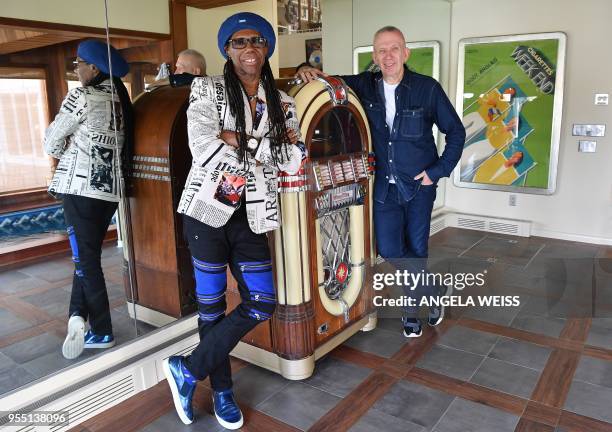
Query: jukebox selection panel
[338,182]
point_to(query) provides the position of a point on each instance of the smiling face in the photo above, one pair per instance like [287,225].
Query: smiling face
[249,60]
[390,54]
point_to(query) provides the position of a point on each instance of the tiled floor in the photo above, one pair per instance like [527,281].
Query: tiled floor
[526,368]
[33,315]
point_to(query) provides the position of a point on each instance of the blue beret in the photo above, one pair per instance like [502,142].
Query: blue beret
[95,52]
[245,20]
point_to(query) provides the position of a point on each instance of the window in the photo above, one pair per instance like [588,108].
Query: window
[336,133]
[23,119]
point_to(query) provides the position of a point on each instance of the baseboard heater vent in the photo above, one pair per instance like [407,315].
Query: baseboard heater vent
[98,399]
[437,225]
[93,400]
[186,351]
[494,225]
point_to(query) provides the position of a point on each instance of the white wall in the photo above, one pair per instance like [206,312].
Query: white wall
[419,20]
[581,208]
[337,17]
[292,48]
[142,15]
[203,25]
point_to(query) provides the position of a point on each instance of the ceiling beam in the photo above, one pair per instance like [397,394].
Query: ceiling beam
[209,4]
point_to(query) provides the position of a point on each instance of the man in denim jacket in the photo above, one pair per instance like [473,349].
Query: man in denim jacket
[402,106]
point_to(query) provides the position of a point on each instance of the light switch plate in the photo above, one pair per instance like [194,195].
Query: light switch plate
[590,130]
[587,146]
[601,98]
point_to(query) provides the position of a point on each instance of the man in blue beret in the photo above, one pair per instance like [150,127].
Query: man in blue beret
[91,138]
[242,131]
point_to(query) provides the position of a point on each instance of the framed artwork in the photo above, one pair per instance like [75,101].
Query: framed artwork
[510,97]
[424,58]
[314,53]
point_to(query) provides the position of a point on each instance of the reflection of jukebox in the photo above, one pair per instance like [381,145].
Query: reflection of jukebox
[320,254]
[325,241]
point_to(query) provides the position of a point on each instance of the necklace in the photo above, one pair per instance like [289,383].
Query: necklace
[252,97]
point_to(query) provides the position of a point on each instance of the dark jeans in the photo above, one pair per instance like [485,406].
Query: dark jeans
[87,221]
[248,256]
[402,235]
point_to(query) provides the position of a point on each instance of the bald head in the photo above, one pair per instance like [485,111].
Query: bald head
[190,61]
[390,29]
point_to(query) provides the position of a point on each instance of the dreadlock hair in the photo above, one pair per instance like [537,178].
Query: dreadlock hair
[127,116]
[276,116]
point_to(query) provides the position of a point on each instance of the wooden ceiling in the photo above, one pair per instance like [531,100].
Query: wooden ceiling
[20,35]
[14,40]
[209,4]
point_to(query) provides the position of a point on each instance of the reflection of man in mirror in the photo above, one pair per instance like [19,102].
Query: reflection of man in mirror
[191,62]
[223,131]
[84,140]
[402,106]
[189,65]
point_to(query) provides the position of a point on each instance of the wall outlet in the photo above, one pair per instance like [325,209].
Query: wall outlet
[512,200]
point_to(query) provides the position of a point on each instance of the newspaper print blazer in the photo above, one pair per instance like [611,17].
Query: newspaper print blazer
[82,137]
[217,178]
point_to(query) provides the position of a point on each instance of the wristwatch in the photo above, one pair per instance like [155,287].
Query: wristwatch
[253,145]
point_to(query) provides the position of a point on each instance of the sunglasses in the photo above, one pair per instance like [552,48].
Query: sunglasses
[76,63]
[241,43]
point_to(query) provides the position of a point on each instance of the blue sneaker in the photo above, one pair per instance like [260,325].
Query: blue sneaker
[226,410]
[412,328]
[182,389]
[436,313]
[98,341]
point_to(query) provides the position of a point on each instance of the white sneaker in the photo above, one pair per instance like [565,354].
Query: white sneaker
[75,338]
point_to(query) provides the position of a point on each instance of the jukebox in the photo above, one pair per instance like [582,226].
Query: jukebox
[320,253]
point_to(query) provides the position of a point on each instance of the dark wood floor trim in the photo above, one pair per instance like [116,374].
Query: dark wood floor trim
[348,411]
[598,352]
[577,423]
[541,413]
[576,329]
[522,335]
[411,352]
[525,425]
[20,335]
[39,290]
[256,421]
[556,378]
[132,414]
[26,311]
[483,395]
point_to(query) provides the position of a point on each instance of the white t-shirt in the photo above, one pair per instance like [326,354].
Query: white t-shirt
[390,110]
[390,103]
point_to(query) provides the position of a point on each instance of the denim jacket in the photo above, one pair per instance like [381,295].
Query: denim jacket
[409,148]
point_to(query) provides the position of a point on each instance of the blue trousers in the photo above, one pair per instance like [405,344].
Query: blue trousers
[247,256]
[402,227]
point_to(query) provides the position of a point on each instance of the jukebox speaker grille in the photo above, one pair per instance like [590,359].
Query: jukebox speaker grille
[335,242]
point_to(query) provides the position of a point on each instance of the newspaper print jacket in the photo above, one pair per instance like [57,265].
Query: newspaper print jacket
[217,178]
[82,137]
